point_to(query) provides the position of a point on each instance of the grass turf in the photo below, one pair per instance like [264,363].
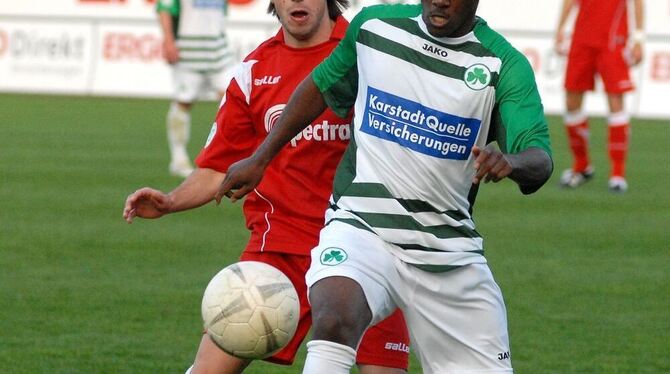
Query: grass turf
[584,272]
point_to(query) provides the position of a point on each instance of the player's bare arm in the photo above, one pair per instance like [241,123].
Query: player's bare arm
[530,169]
[637,37]
[170,50]
[305,105]
[560,40]
[196,190]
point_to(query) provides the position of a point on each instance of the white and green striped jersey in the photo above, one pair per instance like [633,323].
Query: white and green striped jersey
[420,104]
[200,33]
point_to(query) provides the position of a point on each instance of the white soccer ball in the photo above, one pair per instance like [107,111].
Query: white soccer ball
[250,310]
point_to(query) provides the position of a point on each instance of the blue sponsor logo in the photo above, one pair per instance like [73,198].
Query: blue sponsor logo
[417,127]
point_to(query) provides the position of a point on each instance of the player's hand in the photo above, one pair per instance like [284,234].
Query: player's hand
[146,203]
[170,51]
[241,178]
[635,55]
[490,165]
[559,44]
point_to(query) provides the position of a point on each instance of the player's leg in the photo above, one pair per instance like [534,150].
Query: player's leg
[618,129]
[348,291]
[577,129]
[613,69]
[579,78]
[210,359]
[457,319]
[340,315]
[376,369]
[178,120]
[384,348]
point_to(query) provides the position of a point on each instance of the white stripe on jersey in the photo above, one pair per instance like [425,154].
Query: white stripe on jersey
[392,206]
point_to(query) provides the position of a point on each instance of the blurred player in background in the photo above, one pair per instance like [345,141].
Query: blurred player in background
[285,212]
[196,46]
[601,44]
[431,85]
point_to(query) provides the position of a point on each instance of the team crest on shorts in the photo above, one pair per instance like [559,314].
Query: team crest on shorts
[333,256]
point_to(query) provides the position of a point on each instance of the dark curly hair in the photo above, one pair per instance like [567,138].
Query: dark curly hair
[335,8]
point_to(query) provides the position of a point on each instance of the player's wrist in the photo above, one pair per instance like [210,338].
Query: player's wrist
[169,206]
[262,159]
[637,36]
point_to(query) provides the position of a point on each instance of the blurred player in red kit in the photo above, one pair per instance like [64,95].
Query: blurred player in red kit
[602,44]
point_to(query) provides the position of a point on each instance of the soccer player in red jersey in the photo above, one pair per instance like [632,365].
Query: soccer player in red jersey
[285,212]
[602,44]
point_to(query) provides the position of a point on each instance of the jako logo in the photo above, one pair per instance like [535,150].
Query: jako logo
[435,50]
[400,347]
[320,132]
[268,79]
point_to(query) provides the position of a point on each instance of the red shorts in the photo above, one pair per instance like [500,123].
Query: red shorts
[385,344]
[585,61]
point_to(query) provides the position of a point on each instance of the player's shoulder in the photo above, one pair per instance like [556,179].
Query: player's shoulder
[496,44]
[390,10]
[255,64]
[267,49]
[384,11]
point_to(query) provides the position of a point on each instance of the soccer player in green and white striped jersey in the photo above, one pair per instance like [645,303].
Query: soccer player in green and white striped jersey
[432,85]
[196,46]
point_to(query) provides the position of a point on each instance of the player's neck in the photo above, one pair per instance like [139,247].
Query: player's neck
[320,35]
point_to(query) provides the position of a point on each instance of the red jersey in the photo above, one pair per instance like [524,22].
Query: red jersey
[286,211]
[601,23]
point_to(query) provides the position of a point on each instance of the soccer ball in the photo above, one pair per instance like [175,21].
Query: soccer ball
[250,310]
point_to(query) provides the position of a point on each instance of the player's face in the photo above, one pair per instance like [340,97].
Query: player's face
[305,22]
[449,18]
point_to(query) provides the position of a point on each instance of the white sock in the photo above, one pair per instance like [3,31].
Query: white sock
[178,132]
[188,371]
[328,357]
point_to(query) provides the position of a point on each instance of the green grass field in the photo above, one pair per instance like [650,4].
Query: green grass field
[585,273]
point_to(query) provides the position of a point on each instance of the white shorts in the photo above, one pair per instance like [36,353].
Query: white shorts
[190,85]
[456,319]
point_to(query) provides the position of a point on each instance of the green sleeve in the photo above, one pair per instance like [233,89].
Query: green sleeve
[337,76]
[169,6]
[519,115]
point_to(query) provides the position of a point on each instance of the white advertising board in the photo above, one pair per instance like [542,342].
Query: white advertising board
[129,60]
[654,85]
[45,57]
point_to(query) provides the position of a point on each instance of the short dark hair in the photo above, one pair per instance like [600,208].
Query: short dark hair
[335,8]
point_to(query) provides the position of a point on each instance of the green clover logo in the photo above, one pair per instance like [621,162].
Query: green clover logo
[333,256]
[477,74]
[477,77]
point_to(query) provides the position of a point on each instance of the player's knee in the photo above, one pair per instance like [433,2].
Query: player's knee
[338,326]
[340,312]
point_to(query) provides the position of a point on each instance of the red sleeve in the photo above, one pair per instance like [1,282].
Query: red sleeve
[234,135]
